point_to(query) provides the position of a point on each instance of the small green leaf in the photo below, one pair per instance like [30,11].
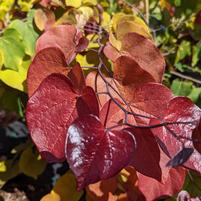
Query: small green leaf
[12,49]
[27,33]
[195,94]
[192,184]
[181,88]
[196,53]
[183,51]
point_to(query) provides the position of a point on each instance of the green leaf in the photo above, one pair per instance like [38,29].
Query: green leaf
[12,49]
[27,33]
[183,51]
[181,88]
[195,94]
[196,53]
[192,184]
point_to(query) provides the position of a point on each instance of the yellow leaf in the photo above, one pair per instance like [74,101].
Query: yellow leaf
[93,41]
[30,164]
[115,19]
[73,3]
[115,43]
[106,21]
[87,60]
[131,23]
[51,197]
[65,187]
[3,167]
[26,5]
[14,79]
[90,2]
[67,18]
[84,13]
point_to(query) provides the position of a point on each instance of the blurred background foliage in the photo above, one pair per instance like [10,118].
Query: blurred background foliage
[175,26]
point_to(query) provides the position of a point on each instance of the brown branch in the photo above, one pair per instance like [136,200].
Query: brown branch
[185,77]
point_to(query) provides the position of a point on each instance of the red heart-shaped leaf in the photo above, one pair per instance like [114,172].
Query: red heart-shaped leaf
[153,189]
[65,37]
[146,157]
[127,71]
[47,61]
[95,154]
[50,111]
[185,116]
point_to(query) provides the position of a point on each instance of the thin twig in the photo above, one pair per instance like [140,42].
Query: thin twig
[185,77]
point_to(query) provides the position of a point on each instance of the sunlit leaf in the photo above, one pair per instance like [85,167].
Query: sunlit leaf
[44,19]
[64,189]
[66,38]
[93,163]
[27,34]
[73,3]
[26,5]
[14,79]
[181,88]
[12,49]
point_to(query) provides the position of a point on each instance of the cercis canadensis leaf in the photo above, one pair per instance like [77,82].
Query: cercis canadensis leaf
[65,37]
[95,154]
[50,111]
[146,157]
[179,135]
[153,189]
[127,71]
[142,51]
[47,61]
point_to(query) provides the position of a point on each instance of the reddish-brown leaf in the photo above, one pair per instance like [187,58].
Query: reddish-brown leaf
[127,71]
[94,154]
[97,83]
[77,78]
[178,136]
[143,52]
[145,100]
[50,111]
[47,61]
[153,189]
[87,103]
[152,98]
[111,114]
[146,157]
[65,37]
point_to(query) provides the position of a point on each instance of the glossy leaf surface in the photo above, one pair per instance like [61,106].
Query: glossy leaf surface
[94,154]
